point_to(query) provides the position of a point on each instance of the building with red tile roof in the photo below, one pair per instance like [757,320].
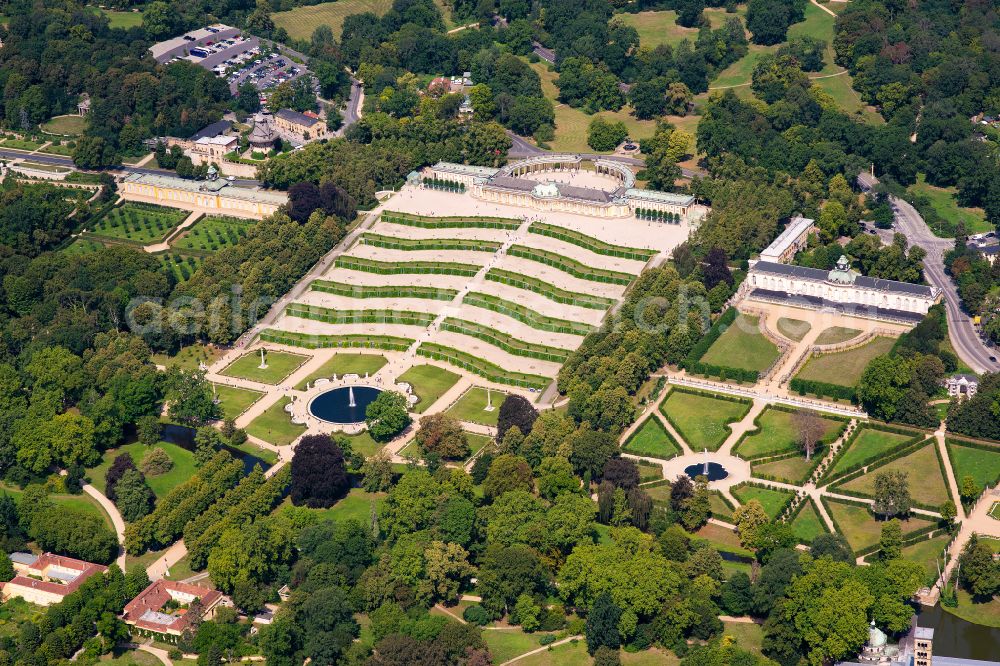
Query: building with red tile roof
[47,579]
[163,608]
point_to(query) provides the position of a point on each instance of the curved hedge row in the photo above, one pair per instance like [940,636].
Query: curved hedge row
[407,267]
[549,291]
[311,341]
[481,367]
[694,364]
[368,291]
[412,244]
[526,315]
[595,245]
[505,341]
[426,222]
[335,316]
[571,266]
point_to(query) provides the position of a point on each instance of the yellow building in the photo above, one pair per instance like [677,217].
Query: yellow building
[217,196]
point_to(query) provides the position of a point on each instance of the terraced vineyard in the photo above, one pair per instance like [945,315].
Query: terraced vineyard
[590,243]
[549,291]
[335,316]
[571,266]
[481,367]
[526,315]
[366,291]
[403,267]
[394,243]
[425,222]
[506,342]
[311,341]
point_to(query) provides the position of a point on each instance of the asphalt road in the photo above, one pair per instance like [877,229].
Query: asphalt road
[548,55]
[353,102]
[61,160]
[963,334]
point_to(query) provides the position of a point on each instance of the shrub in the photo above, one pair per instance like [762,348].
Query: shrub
[319,475]
[156,462]
[476,614]
[547,639]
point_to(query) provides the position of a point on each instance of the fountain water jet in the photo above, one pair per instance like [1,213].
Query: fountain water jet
[350,397]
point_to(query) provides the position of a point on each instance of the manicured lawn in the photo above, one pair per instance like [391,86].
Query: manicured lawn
[659,494]
[234,401]
[302,21]
[702,420]
[356,505]
[62,148]
[66,125]
[943,200]
[790,470]
[836,334]
[808,524]
[841,89]
[363,443]
[79,502]
[182,470]
[658,28]
[471,407]
[778,434]
[124,20]
[429,383]
[748,636]
[927,486]
[477,442]
[983,466]
[279,365]
[927,553]
[189,357]
[505,644]
[867,443]
[139,222]
[653,440]
[85,246]
[722,538]
[213,233]
[772,500]
[649,473]
[572,124]
[268,456]
[129,658]
[793,329]
[987,614]
[846,367]
[275,426]
[346,363]
[720,509]
[652,657]
[860,527]
[22,144]
[742,346]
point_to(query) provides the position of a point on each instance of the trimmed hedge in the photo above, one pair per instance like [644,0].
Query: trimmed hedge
[481,367]
[335,316]
[504,341]
[427,222]
[367,291]
[412,244]
[526,315]
[799,508]
[823,389]
[663,430]
[549,291]
[779,455]
[896,454]
[407,267]
[310,341]
[595,245]
[706,394]
[657,215]
[763,486]
[443,184]
[571,266]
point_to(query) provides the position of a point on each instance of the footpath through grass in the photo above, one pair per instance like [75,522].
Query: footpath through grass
[275,425]
[160,484]
[701,419]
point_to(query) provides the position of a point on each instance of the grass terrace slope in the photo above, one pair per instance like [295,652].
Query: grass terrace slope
[526,315]
[483,368]
[333,316]
[315,341]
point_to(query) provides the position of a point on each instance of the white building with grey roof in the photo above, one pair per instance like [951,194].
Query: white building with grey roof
[576,184]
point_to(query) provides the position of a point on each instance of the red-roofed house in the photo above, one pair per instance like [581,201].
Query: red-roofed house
[47,578]
[162,608]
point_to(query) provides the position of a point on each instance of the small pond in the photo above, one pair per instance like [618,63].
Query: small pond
[955,637]
[715,471]
[183,437]
[344,405]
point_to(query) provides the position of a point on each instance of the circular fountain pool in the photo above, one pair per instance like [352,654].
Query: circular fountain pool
[336,405]
[716,472]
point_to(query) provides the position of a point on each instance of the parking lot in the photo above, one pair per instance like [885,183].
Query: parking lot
[264,72]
